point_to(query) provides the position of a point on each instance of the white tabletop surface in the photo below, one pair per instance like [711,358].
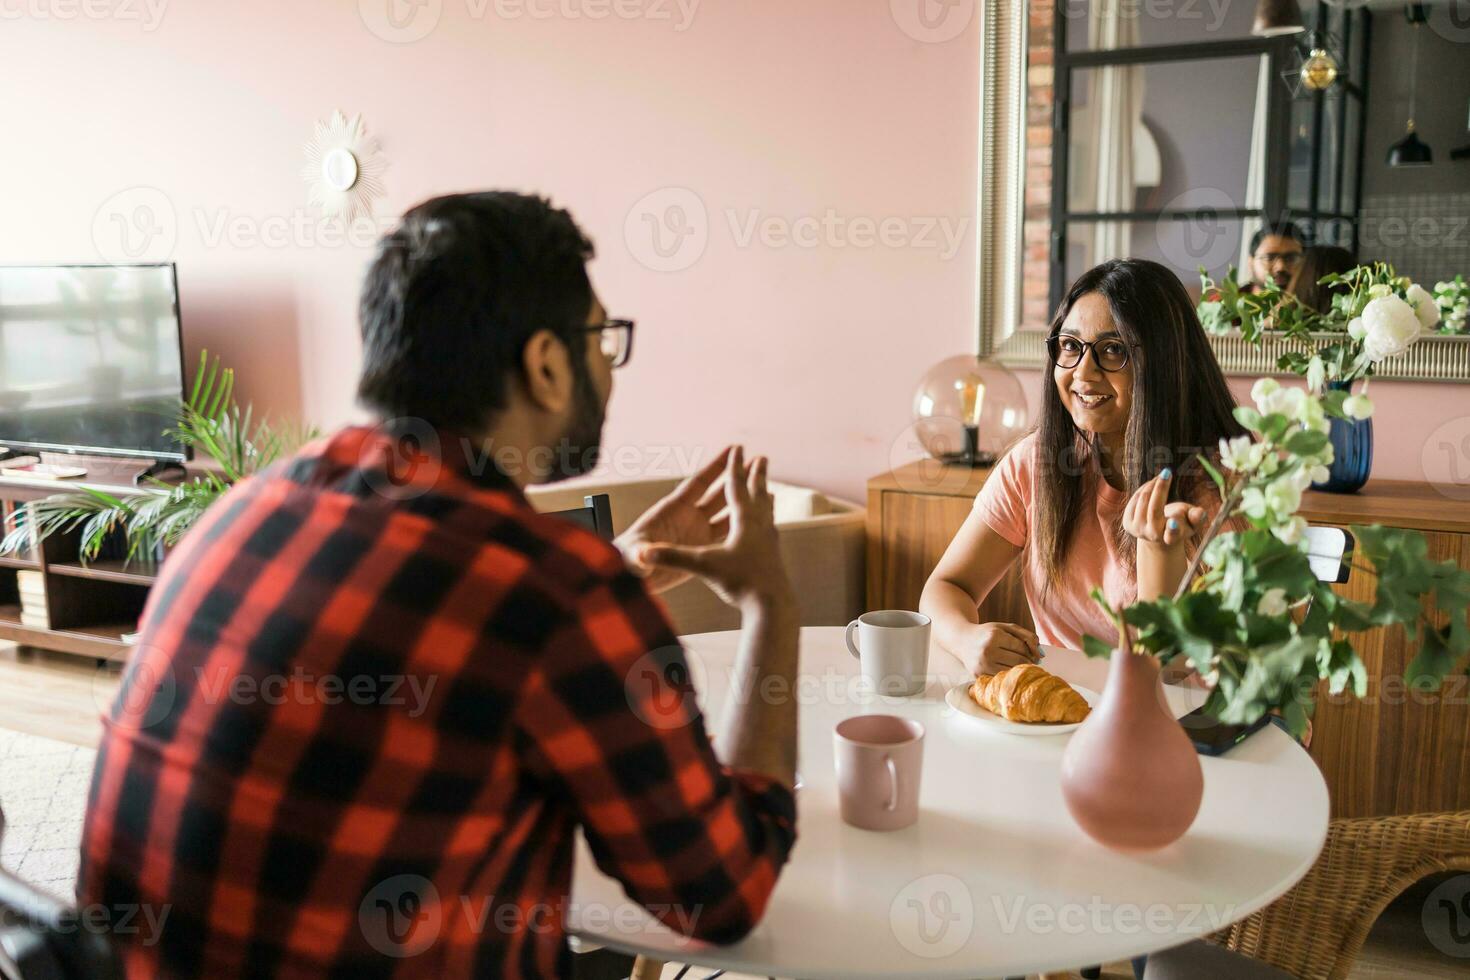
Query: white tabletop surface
[995,879]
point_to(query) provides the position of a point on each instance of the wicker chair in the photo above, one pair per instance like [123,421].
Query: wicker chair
[1316,930]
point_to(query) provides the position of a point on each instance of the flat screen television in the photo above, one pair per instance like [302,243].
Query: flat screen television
[91,359]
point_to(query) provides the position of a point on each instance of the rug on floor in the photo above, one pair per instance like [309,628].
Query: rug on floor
[43,793]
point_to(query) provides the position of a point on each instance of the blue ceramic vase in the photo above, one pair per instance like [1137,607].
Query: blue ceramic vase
[1352,451]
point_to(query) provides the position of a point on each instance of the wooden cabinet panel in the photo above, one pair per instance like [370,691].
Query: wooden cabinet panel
[1395,751]
[908,533]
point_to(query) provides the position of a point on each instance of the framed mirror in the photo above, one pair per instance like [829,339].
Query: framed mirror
[1171,132]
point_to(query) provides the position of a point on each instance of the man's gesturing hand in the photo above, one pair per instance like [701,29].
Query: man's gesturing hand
[746,568]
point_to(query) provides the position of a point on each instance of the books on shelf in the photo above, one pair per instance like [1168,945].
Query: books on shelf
[30,584]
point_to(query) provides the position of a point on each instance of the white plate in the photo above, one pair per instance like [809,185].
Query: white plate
[959,699]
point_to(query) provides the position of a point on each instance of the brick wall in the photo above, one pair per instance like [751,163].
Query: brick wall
[1036,220]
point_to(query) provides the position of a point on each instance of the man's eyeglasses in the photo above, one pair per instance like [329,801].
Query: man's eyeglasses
[615,338]
[1067,352]
[1288,259]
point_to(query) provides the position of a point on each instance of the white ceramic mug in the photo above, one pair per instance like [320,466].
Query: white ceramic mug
[893,647]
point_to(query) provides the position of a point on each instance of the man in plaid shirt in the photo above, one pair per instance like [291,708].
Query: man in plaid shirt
[376,694]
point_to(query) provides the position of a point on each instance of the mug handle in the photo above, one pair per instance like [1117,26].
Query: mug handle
[892,803]
[851,646]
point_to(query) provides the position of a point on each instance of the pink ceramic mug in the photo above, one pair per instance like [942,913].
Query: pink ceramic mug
[879,761]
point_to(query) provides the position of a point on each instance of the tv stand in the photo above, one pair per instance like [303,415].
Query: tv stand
[158,470]
[90,606]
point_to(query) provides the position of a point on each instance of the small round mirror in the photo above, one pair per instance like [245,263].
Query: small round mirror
[339,169]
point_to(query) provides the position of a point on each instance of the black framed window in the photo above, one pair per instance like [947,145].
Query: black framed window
[1173,140]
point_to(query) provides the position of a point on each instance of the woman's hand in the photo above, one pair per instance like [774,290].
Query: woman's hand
[995,646]
[1163,530]
[1153,521]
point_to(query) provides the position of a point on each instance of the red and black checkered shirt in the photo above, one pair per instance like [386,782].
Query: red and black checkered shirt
[369,709]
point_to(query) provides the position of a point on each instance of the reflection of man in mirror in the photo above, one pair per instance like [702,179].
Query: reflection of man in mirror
[1276,251]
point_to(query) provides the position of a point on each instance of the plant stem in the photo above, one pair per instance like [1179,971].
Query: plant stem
[1226,507]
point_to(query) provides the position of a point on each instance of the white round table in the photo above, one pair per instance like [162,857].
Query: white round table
[995,879]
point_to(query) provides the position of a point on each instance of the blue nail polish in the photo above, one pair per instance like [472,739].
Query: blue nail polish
[1173,524]
[1166,473]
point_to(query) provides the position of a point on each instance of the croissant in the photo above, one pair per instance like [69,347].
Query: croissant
[1029,693]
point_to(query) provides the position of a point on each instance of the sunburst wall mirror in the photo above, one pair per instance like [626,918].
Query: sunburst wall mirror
[344,168]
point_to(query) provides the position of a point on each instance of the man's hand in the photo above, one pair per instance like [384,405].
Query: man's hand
[745,570]
[690,516]
[998,646]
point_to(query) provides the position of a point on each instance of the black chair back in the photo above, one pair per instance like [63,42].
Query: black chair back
[45,939]
[595,515]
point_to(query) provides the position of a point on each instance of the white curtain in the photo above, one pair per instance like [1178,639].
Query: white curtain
[1105,177]
[1255,180]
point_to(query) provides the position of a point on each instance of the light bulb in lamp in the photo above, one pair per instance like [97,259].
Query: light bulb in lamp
[968,410]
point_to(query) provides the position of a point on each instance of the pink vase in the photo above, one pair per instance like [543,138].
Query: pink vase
[1130,775]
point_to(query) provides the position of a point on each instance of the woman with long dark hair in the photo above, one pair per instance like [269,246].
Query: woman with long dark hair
[1107,491]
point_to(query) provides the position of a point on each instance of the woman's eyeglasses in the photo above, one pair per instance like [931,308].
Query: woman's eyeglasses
[1067,352]
[615,339]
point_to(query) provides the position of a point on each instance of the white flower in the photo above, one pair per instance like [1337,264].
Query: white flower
[1301,478]
[1316,374]
[1292,531]
[1312,415]
[1273,603]
[1357,328]
[1380,290]
[1425,308]
[1241,454]
[1320,474]
[1272,399]
[1262,390]
[1391,327]
[1357,407]
[1284,497]
[1253,502]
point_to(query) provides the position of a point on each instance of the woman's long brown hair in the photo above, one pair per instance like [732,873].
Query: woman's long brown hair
[1181,407]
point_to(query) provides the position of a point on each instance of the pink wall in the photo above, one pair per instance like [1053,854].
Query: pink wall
[808,117]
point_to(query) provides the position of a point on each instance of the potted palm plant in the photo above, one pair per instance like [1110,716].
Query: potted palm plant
[154,517]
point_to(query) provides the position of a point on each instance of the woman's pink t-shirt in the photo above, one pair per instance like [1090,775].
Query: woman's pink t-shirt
[1067,612]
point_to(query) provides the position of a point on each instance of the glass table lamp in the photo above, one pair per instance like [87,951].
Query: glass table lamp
[968,410]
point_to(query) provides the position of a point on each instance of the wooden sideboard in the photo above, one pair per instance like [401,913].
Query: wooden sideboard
[1392,752]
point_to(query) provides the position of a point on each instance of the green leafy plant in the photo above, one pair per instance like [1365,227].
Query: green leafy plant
[1453,300]
[1375,314]
[155,517]
[1251,617]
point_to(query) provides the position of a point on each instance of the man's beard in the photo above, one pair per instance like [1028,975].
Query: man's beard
[580,446]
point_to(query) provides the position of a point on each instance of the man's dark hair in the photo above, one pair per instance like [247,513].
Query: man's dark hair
[454,293]
[1281,228]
